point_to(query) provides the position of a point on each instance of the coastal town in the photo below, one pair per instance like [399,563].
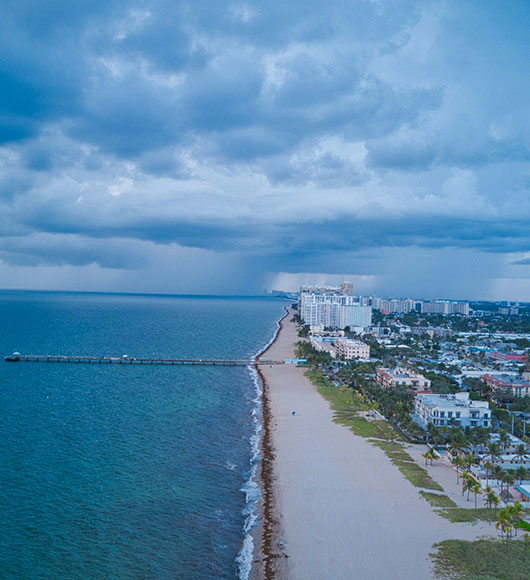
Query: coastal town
[442,387]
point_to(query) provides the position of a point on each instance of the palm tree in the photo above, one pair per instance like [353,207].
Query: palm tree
[475,488]
[504,523]
[491,501]
[509,479]
[521,474]
[428,456]
[481,435]
[458,462]
[494,451]
[497,472]
[520,452]
[458,441]
[515,511]
[467,484]
[504,439]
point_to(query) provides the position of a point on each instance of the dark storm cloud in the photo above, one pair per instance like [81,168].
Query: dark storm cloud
[95,67]
[287,133]
[74,250]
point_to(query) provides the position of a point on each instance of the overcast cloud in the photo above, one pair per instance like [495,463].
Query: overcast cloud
[203,147]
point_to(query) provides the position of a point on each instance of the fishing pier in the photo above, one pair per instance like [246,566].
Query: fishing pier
[127,360]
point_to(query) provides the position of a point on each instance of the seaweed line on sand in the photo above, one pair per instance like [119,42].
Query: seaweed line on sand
[271,555]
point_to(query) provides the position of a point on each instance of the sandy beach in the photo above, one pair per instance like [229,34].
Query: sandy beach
[343,510]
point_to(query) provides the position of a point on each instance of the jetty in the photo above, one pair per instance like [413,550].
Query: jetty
[128,360]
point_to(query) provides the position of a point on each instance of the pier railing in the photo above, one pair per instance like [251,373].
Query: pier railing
[127,360]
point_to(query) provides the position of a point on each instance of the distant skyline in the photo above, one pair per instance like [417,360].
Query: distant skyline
[176,147]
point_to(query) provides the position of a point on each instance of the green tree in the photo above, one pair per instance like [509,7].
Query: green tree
[458,464]
[521,474]
[520,452]
[492,501]
[504,523]
[494,451]
[475,488]
[504,440]
[516,513]
[428,456]
[467,484]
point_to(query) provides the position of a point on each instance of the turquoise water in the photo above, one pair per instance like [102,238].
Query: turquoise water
[127,472]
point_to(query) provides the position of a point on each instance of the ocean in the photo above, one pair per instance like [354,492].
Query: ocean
[129,472]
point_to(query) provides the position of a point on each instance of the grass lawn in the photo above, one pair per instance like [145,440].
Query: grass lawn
[387,445]
[416,475]
[408,467]
[364,428]
[342,399]
[439,501]
[459,515]
[346,404]
[482,560]
[392,450]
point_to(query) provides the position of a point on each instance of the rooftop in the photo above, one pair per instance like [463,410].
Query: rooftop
[512,380]
[450,401]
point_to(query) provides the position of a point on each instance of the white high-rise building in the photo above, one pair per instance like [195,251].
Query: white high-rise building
[331,307]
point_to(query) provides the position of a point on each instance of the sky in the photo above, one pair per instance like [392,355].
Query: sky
[172,146]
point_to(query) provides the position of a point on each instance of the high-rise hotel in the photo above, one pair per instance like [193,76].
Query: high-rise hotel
[333,307]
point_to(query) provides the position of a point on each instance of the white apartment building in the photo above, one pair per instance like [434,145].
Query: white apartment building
[397,306]
[355,315]
[457,409]
[445,307]
[329,307]
[352,349]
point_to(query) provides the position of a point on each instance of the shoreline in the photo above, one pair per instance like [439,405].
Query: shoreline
[268,553]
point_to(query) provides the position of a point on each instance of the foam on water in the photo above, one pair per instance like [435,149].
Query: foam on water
[250,487]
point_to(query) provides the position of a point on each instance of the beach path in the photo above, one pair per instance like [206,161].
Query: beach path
[345,512]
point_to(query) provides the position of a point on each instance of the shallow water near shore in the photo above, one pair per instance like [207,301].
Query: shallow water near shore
[128,472]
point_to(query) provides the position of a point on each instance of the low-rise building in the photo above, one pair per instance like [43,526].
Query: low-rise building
[389,378]
[504,357]
[509,461]
[324,345]
[430,331]
[350,349]
[515,385]
[457,409]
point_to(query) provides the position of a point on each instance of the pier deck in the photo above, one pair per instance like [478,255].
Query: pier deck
[126,360]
